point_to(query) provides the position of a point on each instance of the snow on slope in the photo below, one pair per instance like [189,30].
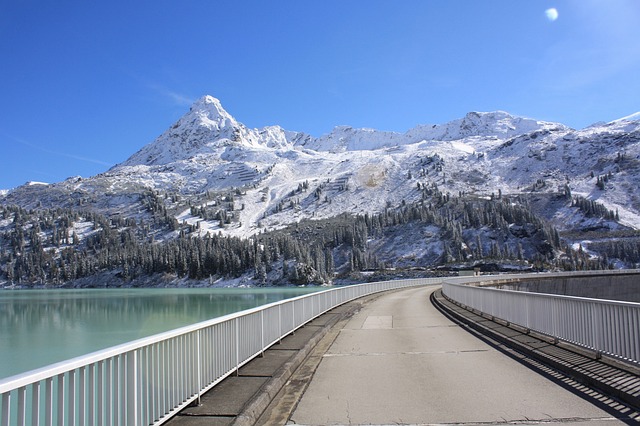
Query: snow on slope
[496,124]
[364,170]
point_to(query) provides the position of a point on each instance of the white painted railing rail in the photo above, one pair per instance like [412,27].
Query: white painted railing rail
[605,326]
[147,381]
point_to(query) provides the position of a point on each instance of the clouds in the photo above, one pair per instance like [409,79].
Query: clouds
[176,98]
[151,84]
[58,153]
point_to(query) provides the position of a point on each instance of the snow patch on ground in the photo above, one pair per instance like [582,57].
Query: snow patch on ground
[83,229]
[461,146]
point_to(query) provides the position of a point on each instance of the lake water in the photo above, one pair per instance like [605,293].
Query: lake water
[41,327]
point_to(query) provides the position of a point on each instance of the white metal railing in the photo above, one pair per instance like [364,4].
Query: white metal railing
[147,381]
[606,326]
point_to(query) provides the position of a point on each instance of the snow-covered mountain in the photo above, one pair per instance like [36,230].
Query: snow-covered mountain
[572,193]
[208,151]
[364,170]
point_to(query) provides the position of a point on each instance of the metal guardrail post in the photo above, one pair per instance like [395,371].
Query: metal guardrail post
[235,322]
[280,323]
[199,362]
[35,407]
[60,398]
[22,407]
[100,393]
[132,394]
[262,333]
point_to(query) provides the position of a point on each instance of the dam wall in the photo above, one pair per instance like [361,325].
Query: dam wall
[622,287]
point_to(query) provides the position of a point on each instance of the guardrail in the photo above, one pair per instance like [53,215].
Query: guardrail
[605,326]
[147,381]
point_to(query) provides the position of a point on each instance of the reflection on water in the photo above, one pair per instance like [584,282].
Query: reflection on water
[40,327]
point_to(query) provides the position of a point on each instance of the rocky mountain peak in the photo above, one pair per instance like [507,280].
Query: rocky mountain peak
[205,127]
[490,124]
[210,113]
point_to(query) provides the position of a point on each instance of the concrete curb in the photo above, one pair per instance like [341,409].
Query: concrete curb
[254,408]
[261,400]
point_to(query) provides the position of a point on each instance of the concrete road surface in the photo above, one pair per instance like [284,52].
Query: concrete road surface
[400,361]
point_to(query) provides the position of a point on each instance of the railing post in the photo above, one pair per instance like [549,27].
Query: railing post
[22,406]
[72,397]
[528,312]
[262,332]
[81,396]
[60,398]
[6,408]
[598,324]
[163,380]
[108,381]
[48,401]
[91,396]
[280,323]
[237,346]
[132,388]
[100,394]
[35,407]
[199,358]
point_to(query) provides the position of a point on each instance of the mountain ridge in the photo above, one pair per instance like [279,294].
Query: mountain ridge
[208,120]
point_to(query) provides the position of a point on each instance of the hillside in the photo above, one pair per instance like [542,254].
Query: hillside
[210,176]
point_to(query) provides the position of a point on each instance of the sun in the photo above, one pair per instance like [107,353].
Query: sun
[552,14]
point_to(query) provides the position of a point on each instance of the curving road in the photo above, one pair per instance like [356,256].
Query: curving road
[400,361]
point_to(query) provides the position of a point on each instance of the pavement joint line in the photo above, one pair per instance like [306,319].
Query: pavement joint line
[525,421]
[225,416]
[408,353]
[425,326]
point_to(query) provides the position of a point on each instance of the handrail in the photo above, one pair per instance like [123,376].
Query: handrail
[147,381]
[605,326]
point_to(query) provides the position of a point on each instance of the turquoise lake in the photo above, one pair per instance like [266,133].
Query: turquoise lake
[41,327]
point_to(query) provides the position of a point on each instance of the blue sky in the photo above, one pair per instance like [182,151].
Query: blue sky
[85,84]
